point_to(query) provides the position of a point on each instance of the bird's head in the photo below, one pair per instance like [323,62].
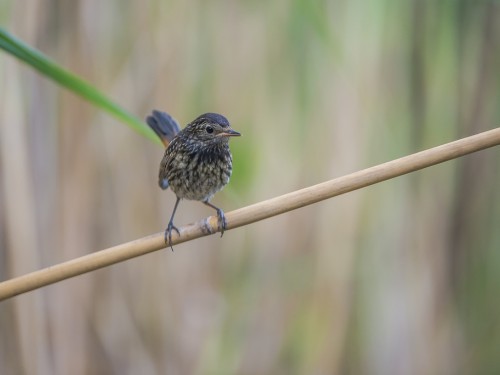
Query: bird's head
[210,128]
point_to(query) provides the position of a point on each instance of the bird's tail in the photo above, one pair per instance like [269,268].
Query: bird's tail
[163,125]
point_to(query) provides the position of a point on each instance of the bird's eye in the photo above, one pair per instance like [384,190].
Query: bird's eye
[210,130]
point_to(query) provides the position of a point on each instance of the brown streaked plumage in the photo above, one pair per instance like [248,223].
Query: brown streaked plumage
[197,162]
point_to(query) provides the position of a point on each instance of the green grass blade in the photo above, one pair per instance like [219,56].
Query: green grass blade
[72,82]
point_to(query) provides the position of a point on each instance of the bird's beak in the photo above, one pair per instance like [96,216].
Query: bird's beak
[229,133]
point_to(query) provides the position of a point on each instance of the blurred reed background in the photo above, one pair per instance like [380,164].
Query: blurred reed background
[398,278]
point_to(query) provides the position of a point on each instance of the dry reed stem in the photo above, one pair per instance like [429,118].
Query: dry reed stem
[251,214]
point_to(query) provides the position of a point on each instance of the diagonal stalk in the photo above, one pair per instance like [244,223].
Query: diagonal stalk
[253,213]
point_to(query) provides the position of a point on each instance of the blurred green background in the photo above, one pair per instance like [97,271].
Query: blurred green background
[399,278]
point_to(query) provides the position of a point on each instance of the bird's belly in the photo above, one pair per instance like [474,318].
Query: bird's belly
[199,180]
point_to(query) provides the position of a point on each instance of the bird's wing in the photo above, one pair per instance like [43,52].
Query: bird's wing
[162,177]
[166,163]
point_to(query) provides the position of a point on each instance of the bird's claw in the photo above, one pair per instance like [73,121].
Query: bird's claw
[168,234]
[221,221]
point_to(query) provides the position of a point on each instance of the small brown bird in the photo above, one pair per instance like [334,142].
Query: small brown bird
[197,161]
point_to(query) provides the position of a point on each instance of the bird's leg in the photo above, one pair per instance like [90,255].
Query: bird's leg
[221,219]
[168,231]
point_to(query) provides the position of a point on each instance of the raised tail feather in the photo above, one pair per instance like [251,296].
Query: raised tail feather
[163,125]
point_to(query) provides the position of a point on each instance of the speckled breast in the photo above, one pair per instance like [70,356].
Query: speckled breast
[199,175]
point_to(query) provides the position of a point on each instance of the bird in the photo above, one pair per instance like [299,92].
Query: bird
[197,162]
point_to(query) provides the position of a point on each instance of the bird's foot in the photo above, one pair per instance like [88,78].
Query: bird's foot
[168,234]
[221,221]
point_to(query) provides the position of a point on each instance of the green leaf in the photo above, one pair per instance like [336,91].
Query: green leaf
[72,82]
